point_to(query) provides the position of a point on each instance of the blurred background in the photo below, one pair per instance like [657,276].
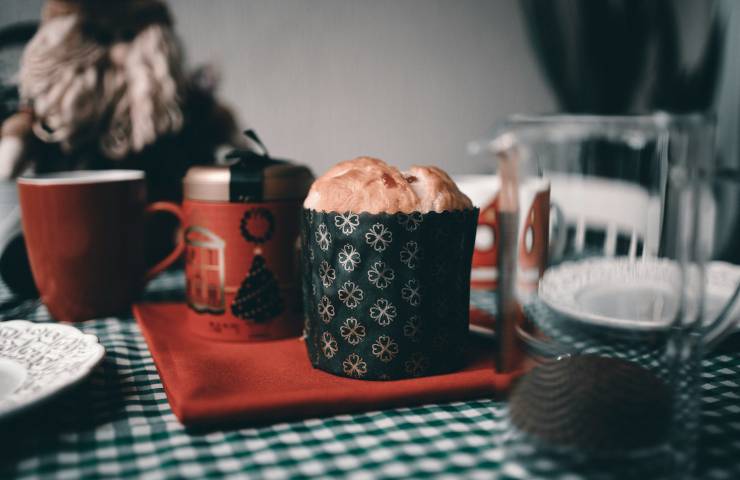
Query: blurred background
[416,81]
[328,80]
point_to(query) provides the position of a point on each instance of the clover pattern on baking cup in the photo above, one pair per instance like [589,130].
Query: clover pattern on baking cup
[381,294]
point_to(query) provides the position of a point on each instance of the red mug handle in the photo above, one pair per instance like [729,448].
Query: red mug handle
[175,210]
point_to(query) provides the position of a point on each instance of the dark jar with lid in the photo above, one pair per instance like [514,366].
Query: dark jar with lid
[241,263]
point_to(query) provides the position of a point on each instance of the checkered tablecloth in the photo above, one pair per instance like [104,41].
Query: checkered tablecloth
[119,424]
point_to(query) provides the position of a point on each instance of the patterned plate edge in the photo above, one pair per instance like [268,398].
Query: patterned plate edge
[96,356]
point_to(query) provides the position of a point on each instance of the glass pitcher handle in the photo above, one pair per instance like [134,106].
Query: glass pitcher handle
[721,326]
[724,324]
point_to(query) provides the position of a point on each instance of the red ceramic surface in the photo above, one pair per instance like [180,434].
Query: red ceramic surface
[86,243]
[242,270]
[533,243]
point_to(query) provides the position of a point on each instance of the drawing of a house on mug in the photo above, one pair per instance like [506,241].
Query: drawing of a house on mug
[205,270]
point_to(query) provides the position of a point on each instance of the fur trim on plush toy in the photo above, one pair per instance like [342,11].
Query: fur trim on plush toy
[87,83]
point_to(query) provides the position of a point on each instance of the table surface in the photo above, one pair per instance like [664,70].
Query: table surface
[119,424]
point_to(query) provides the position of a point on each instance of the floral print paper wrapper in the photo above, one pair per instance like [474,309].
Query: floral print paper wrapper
[387,296]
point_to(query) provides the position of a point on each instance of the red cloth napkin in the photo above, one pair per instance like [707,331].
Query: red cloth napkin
[213,382]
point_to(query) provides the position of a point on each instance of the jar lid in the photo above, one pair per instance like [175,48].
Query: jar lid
[223,183]
[253,177]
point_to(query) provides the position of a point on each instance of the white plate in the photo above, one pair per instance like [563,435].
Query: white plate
[722,280]
[637,294]
[39,360]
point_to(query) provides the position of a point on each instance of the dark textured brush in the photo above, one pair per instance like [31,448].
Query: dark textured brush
[593,403]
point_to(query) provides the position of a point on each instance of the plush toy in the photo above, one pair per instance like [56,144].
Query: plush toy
[104,86]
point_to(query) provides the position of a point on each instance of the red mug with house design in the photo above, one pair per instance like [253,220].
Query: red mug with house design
[241,259]
[534,239]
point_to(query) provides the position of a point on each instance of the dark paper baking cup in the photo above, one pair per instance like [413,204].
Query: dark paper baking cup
[387,296]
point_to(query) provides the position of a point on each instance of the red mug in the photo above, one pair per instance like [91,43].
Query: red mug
[85,235]
[534,243]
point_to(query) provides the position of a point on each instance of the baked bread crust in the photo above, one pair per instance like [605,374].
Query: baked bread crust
[370,185]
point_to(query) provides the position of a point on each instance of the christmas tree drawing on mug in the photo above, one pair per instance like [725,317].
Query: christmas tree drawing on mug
[258,299]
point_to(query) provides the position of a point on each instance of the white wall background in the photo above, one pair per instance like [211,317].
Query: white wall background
[409,81]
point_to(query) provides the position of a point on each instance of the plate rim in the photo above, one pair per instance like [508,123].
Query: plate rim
[726,268]
[85,370]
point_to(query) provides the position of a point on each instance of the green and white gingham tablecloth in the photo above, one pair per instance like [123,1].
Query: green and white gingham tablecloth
[119,424]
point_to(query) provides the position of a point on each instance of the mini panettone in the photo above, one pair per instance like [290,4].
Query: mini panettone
[370,185]
[386,259]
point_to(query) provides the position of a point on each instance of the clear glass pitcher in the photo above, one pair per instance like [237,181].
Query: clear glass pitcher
[619,321]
